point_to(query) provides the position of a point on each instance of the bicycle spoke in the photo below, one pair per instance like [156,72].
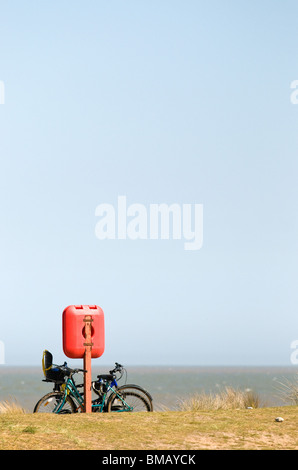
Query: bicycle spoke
[129,401]
[54,403]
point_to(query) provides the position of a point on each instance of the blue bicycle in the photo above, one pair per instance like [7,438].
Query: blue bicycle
[66,396]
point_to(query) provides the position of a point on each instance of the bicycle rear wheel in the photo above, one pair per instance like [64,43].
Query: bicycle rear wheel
[128,400]
[139,391]
[52,403]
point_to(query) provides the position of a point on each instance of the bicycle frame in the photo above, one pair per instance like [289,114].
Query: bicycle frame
[70,389]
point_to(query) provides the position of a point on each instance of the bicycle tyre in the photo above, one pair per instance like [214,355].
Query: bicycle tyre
[49,402]
[135,401]
[139,390]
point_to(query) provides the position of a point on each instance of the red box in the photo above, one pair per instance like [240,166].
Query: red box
[73,326]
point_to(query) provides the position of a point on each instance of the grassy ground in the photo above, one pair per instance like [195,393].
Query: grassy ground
[220,429]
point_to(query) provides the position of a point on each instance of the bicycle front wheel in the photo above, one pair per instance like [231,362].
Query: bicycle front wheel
[127,400]
[55,402]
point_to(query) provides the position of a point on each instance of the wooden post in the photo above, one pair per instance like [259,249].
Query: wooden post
[87,364]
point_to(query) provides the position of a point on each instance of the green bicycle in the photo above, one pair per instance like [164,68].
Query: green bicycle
[66,397]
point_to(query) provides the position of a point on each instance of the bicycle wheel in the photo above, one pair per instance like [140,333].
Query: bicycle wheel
[127,400]
[139,391]
[52,402]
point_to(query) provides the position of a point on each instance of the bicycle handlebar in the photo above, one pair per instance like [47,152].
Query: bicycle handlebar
[117,368]
[70,372]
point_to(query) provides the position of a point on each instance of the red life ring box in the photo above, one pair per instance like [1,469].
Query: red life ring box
[73,327]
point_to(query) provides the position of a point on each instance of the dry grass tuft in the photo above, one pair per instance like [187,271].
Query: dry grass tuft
[289,391]
[11,407]
[228,399]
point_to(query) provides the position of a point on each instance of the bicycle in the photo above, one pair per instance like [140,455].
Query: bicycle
[66,397]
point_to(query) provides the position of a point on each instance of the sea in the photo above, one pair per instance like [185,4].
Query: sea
[168,386]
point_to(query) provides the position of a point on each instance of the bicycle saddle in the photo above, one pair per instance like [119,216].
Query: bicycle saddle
[105,377]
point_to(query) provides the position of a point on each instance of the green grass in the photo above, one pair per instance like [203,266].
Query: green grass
[171,430]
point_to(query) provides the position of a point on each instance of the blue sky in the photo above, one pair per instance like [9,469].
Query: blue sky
[163,102]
